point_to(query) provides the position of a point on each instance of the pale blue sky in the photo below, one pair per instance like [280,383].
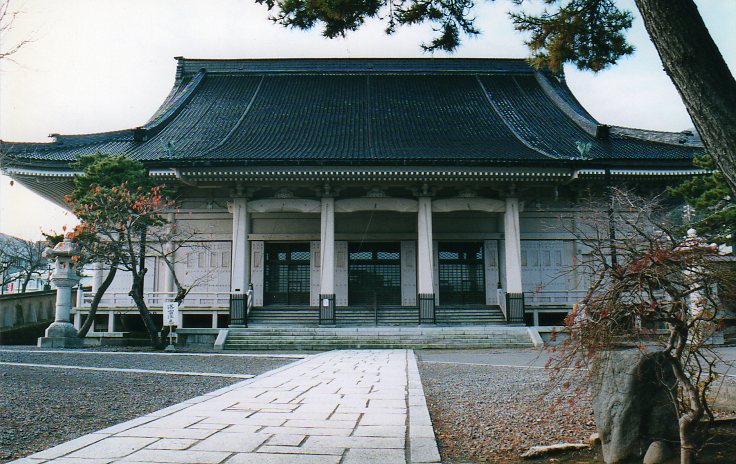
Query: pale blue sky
[99,65]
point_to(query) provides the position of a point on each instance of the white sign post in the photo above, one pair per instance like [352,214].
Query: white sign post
[171,318]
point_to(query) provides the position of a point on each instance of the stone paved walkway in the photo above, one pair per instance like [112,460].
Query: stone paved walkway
[347,407]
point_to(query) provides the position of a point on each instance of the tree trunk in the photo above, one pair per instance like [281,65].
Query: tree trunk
[25,283]
[136,293]
[692,60]
[96,301]
[688,451]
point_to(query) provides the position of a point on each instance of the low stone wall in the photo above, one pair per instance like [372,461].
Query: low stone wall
[20,309]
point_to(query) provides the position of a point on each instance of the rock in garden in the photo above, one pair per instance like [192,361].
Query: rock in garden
[632,403]
[658,453]
[536,451]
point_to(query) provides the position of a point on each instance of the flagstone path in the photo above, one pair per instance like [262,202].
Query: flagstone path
[346,407]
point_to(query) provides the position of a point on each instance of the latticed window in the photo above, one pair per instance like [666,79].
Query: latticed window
[461,273]
[286,277]
[374,274]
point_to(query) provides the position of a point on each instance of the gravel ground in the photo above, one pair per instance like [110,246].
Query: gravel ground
[492,414]
[42,407]
[210,364]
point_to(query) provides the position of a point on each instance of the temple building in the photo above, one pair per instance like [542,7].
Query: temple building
[369,191]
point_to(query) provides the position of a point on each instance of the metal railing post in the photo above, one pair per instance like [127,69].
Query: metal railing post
[238,310]
[515,308]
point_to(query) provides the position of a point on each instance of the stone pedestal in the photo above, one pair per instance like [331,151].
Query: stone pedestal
[61,333]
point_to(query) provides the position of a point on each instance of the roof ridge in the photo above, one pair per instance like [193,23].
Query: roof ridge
[188,66]
[686,137]
[238,122]
[508,124]
[588,124]
[176,103]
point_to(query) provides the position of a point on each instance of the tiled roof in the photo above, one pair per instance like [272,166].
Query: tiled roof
[366,111]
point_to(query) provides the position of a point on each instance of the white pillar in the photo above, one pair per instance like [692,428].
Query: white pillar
[169,285]
[240,271]
[327,246]
[327,262]
[77,320]
[425,261]
[424,246]
[512,246]
[97,276]
[111,322]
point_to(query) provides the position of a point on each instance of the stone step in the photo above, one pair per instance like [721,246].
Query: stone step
[417,346]
[366,316]
[323,338]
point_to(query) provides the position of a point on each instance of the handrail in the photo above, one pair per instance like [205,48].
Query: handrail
[553,297]
[248,300]
[157,299]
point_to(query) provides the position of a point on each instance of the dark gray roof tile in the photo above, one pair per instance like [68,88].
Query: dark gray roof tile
[369,111]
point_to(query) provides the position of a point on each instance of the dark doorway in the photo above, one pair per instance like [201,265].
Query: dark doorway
[286,276]
[461,274]
[374,274]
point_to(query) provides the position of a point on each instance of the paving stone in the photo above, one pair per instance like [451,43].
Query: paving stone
[344,405]
[363,410]
[326,424]
[231,442]
[208,426]
[174,421]
[301,450]
[286,440]
[383,419]
[355,442]
[421,431]
[307,431]
[113,447]
[386,403]
[380,431]
[78,461]
[171,456]
[244,421]
[372,456]
[171,444]
[260,458]
[423,450]
[126,425]
[239,428]
[342,416]
[69,446]
[196,434]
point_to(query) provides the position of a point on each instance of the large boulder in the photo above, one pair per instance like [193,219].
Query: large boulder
[633,403]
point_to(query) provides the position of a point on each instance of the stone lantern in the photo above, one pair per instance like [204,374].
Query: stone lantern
[61,333]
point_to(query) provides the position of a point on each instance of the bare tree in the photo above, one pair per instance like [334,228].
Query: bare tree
[20,260]
[7,20]
[660,294]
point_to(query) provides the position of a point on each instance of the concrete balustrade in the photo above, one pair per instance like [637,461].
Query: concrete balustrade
[26,308]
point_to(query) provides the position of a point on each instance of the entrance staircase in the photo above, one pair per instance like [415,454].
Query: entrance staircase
[330,338]
[362,316]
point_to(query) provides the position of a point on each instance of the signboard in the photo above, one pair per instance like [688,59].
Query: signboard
[171,313]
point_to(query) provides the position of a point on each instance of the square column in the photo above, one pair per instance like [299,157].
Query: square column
[240,271]
[327,263]
[169,251]
[425,261]
[512,246]
[97,276]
